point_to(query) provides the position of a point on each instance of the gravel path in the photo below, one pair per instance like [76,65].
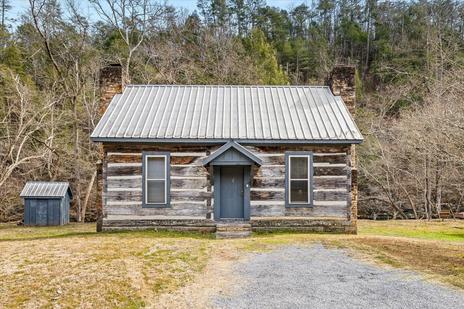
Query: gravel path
[317,277]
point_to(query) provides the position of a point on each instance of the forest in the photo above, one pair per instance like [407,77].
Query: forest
[410,84]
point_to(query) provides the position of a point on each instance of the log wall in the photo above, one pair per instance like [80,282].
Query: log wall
[331,182]
[189,181]
[191,188]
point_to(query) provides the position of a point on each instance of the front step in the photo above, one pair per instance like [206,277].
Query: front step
[233,229]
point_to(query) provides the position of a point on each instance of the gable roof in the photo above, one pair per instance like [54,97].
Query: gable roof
[45,189]
[171,113]
[227,147]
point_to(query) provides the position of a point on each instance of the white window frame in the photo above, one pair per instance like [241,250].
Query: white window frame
[165,179]
[290,179]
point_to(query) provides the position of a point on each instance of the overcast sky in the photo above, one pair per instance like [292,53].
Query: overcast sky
[20,6]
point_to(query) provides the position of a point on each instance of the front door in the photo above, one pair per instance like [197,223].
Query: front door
[232,188]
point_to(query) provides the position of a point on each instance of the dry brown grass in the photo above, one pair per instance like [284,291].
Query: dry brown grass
[98,270]
[73,266]
[442,261]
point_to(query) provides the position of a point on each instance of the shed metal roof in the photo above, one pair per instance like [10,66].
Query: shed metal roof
[164,113]
[45,189]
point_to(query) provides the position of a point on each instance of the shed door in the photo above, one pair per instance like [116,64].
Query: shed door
[41,211]
[232,190]
[54,212]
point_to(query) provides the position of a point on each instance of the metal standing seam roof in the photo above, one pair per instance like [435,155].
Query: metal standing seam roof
[220,113]
[45,189]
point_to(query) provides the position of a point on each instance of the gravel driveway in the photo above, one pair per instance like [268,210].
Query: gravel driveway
[317,277]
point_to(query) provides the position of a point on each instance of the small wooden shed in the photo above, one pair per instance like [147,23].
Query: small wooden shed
[46,203]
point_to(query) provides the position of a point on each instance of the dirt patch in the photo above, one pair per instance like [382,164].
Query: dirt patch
[216,279]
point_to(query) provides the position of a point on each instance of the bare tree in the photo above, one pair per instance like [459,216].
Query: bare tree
[131,19]
[417,158]
[22,122]
[67,46]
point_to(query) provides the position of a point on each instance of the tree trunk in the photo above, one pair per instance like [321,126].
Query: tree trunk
[77,168]
[411,202]
[428,188]
[366,63]
[87,194]
[50,142]
[438,189]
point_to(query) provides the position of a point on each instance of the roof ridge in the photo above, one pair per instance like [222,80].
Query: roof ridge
[45,181]
[238,86]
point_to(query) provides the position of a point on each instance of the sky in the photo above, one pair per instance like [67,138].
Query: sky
[19,7]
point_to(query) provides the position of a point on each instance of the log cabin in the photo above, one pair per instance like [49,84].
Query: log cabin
[227,159]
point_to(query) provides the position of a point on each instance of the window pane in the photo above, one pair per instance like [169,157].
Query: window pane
[156,167]
[299,191]
[155,191]
[299,167]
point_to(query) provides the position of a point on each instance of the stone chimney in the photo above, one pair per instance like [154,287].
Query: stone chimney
[342,83]
[110,85]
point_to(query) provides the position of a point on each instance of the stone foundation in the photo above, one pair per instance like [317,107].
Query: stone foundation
[304,225]
[199,225]
[257,225]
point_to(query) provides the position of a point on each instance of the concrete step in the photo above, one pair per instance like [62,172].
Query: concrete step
[233,229]
[241,227]
[226,224]
[233,234]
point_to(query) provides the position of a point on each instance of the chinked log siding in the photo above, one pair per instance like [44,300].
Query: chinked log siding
[191,189]
[319,195]
[329,209]
[279,159]
[321,182]
[331,182]
[188,185]
[116,169]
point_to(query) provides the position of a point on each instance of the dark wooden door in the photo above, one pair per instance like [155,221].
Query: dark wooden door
[232,191]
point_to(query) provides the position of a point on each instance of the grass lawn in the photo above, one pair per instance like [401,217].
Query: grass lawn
[72,266]
[435,230]
[433,248]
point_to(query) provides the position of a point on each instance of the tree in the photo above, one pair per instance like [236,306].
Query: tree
[5,6]
[131,19]
[67,48]
[23,139]
[239,10]
[264,58]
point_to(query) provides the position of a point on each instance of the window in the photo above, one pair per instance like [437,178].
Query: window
[298,179]
[155,179]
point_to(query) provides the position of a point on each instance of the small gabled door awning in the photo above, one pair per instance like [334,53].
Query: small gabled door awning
[232,153]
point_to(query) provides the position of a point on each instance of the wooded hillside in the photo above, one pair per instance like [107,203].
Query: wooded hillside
[410,83]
